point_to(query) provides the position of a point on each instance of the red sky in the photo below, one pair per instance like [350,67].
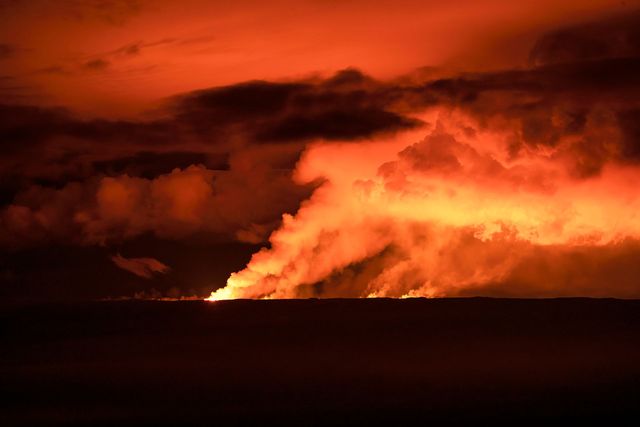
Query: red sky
[116,58]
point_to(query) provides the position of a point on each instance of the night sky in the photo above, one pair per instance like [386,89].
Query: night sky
[391,148]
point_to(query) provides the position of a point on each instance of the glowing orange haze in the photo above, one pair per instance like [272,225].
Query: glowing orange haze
[111,59]
[445,210]
[438,215]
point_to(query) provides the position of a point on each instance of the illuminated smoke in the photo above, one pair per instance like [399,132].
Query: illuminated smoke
[142,267]
[442,215]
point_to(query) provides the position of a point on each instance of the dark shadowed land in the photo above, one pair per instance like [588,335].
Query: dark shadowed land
[312,361]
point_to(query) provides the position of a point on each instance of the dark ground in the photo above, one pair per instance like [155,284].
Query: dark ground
[315,361]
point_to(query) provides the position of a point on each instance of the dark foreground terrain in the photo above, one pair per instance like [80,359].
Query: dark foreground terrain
[315,361]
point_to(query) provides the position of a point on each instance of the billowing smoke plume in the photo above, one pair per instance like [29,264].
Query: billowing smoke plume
[452,213]
[524,184]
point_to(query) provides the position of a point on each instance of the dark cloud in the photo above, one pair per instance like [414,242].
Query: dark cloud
[617,37]
[132,49]
[149,164]
[629,121]
[203,127]
[22,125]
[347,106]
[337,124]
[96,64]
[237,103]
[129,50]
[70,149]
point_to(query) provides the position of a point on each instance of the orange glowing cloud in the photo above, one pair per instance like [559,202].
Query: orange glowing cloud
[438,217]
[171,206]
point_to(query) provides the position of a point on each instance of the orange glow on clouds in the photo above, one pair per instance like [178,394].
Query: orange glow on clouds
[438,216]
[390,148]
[118,58]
